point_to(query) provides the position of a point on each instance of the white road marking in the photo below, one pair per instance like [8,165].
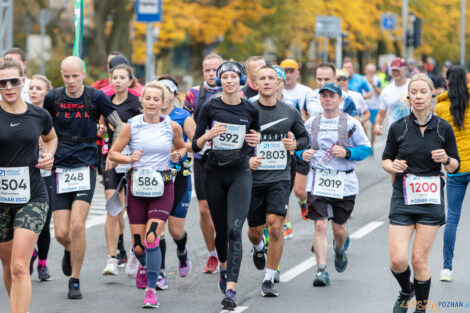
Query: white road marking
[299,269]
[237,310]
[361,232]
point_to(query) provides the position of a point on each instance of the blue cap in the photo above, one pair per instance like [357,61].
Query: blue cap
[333,87]
[280,72]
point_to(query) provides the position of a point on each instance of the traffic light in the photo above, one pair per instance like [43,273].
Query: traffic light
[409,39]
[417,31]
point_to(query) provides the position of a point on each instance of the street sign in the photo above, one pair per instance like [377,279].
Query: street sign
[327,26]
[148,10]
[388,21]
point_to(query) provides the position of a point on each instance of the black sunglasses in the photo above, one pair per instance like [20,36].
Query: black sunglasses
[342,78]
[14,82]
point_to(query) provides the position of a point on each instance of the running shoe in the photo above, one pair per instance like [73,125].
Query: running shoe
[150,301]
[229,301]
[141,277]
[184,263]
[74,289]
[211,265]
[401,305]
[345,246]
[112,267]
[341,260]
[33,259]
[446,275]
[304,211]
[132,266]
[122,258]
[259,258]
[277,277]
[322,278]
[267,289]
[288,232]
[222,280]
[66,264]
[162,281]
[43,273]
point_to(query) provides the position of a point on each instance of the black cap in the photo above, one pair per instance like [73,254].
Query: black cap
[116,60]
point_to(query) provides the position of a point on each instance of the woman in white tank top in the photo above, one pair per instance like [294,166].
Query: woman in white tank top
[154,141]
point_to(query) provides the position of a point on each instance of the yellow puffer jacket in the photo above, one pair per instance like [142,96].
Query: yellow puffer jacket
[462,136]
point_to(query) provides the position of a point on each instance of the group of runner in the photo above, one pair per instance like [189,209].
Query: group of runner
[255,135]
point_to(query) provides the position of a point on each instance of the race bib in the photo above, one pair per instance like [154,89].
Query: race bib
[274,153]
[14,185]
[122,168]
[73,179]
[148,183]
[329,184]
[421,189]
[232,138]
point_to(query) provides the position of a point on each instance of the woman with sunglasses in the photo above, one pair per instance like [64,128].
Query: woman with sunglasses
[23,195]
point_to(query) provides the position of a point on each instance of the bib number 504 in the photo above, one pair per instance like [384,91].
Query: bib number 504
[12,184]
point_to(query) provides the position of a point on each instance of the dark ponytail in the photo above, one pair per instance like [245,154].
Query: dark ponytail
[458,94]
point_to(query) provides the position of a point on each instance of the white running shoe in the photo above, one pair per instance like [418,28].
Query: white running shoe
[132,265]
[446,275]
[112,267]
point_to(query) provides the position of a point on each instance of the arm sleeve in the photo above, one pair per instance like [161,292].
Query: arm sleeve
[299,131]
[359,153]
[188,101]
[201,126]
[255,122]
[391,147]
[451,146]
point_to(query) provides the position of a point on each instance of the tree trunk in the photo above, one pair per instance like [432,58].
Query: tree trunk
[98,47]
[120,33]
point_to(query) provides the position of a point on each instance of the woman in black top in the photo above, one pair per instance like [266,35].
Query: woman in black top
[23,194]
[234,128]
[128,106]
[417,147]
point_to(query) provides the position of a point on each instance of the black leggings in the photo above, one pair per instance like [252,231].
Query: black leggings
[44,239]
[228,193]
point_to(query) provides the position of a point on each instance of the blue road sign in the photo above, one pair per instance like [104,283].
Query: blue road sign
[388,21]
[148,10]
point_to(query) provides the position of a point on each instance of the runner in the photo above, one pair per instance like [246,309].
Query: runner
[342,77]
[393,97]
[453,106]
[128,106]
[20,56]
[357,82]
[183,187]
[253,64]
[38,88]
[195,97]
[417,146]
[107,80]
[76,110]
[150,137]
[135,89]
[373,102]
[23,196]
[234,128]
[338,141]
[272,175]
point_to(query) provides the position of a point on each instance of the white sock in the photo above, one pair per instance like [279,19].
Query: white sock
[269,274]
[260,246]
[213,253]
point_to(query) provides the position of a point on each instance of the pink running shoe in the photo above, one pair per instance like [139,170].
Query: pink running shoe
[150,300]
[141,277]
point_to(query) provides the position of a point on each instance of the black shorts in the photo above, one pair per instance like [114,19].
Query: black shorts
[63,201]
[338,210]
[111,179]
[268,199]
[427,214]
[293,167]
[302,167]
[199,174]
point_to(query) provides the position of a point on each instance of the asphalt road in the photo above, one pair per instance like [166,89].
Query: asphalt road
[367,286]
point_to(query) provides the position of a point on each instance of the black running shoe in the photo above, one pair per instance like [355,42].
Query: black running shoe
[74,289]
[267,289]
[341,261]
[43,273]
[66,264]
[401,305]
[31,263]
[122,257]
[259,258]
[229,301]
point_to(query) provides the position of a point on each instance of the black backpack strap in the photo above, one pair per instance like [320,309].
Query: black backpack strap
[88,101]
[202,95]
[58,94]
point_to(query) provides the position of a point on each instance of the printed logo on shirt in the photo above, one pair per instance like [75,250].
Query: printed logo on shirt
[73,110]
[13,125]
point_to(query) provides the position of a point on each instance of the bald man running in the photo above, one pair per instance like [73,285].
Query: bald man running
[75,110]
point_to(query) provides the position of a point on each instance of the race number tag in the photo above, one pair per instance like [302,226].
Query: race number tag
[148,183]
[232,138]
[274,153]
[421,189]
[73,179]
[122,168]
[14,185]
[329,183]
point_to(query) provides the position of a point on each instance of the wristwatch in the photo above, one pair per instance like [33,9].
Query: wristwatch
[348,154]
[448,161]
[179,156]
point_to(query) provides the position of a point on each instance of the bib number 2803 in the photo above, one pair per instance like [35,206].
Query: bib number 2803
[14,185]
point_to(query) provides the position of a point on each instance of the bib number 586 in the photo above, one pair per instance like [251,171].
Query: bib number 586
[145,181]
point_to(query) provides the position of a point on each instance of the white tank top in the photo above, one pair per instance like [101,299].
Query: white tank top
[155,140]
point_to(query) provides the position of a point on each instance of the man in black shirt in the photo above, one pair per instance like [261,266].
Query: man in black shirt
[253,64]
[271,174]
[76,110]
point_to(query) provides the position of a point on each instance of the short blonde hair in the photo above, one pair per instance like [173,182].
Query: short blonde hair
[43,79]
[7,63]
[421,77]
[157,85]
